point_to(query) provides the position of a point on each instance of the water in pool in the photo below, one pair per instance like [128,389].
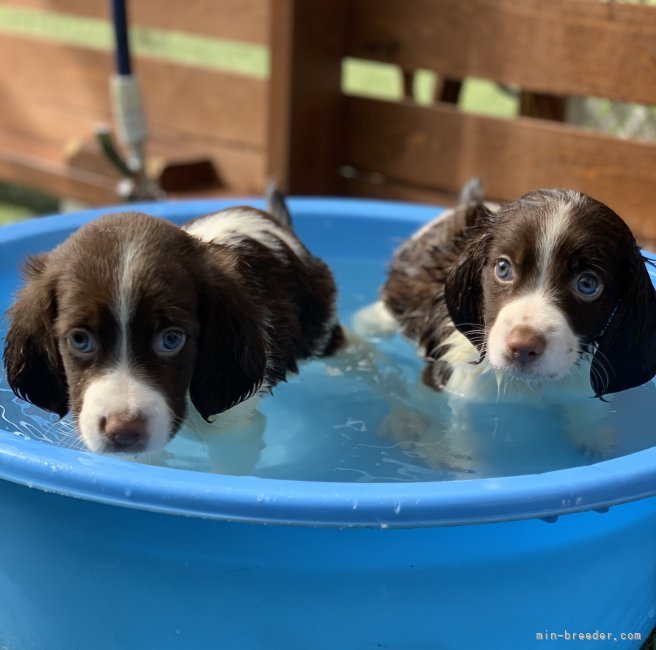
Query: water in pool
[366,418]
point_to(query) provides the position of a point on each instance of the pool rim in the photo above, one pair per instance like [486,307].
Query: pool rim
[115,482]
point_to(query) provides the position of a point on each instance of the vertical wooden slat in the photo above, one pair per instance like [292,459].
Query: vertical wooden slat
[408,77]
[448,90]
[308,42]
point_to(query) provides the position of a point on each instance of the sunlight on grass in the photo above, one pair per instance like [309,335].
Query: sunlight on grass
[370,79]
[487,98]
[10,213]
[384,81]
[63,28]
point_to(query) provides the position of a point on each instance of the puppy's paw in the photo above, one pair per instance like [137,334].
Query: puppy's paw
[588,428]
[405,424]
[237,452]
[596,446]
[375,320]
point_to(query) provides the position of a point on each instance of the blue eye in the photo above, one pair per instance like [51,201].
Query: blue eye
[503,270]
[81,341]
[170,341]
[588,286]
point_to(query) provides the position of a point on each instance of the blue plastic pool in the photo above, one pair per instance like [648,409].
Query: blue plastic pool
[102,554]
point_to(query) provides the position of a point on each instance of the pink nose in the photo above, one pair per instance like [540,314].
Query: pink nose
[125,432]
[525,345]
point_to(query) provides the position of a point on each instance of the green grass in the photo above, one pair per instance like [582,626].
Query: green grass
[11,212]
[17,203]
[384,81]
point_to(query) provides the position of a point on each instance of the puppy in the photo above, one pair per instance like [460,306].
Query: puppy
[548,292]
[542,301]
[136,325]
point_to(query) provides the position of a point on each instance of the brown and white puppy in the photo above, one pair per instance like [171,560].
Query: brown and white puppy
[134,324]
[542,297]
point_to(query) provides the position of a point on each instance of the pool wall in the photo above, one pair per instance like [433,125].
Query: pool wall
[77,574]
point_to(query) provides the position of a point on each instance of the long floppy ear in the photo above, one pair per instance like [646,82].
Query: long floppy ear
[34,368]
[626,353]
[231,358]
[463,289]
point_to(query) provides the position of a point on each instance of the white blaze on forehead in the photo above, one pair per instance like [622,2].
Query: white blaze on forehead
[232,226]
[555,226]
[536,311]
[120,393]
[124,308]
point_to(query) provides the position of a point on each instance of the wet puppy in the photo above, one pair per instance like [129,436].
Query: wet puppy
[136,325]
[545,294]
[544,301]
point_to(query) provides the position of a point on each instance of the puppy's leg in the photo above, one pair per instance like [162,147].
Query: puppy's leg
[234,439]
[359,356]
[375,320]
[405,424]
[237,452]
[587,425]
[415,414]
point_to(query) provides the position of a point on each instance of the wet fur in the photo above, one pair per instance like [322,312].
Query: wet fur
[251,312]
[440,282]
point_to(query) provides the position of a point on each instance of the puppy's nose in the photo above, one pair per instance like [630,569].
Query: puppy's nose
[125,432]
[525,345]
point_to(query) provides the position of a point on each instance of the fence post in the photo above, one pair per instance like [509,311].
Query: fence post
[306,134]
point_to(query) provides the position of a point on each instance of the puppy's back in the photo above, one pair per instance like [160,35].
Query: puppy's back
[414,289]
[296,288]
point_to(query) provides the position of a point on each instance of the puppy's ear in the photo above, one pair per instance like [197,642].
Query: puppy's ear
[626,353]
[34,368]
[231,357]
[463,289]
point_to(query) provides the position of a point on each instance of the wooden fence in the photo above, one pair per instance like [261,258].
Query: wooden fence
[298,124]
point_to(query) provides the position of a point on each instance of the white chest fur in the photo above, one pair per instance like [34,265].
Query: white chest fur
[480,382]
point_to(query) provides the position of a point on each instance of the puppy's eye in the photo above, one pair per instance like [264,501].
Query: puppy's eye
[503,270]
[81,341]
[170,341]
[588,286]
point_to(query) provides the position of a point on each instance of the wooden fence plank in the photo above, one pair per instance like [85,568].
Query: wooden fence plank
[197,101]
[49,132]
[363,188]
[239,172]
[243,170]
[239,20]
[373,188]
[561,47]
[53,177]
[439,148]
[306,102]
